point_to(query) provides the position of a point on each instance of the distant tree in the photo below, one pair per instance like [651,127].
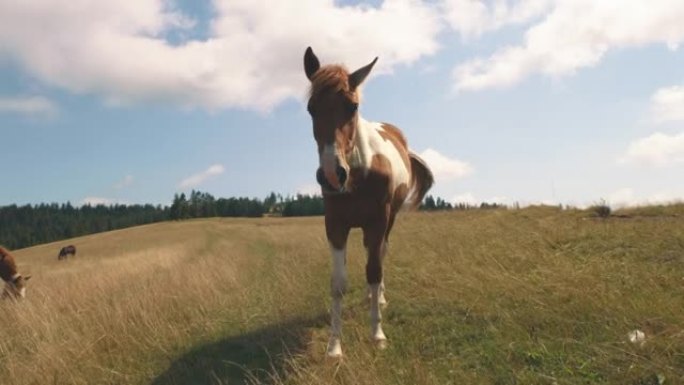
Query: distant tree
[29,225]
[429,203]
[303,205]
[179,207]
[270,203]
[23,226]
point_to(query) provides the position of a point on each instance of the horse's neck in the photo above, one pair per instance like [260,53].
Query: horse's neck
[362,153]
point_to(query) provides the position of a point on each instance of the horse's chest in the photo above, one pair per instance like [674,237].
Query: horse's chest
[355,209]
[379,155]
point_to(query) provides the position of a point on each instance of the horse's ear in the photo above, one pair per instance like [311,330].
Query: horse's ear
[356,78]
[311,63]
[27,278]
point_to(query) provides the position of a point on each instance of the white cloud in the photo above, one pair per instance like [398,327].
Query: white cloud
[667,104]
[309,189]
[125,182]
[95,201]
[470,199]
[622,197]
[251,59]
[656,150]
[471,18]
[467,198]
[199,178]
[573,35]
[444,168]
[32,105]
[626,197]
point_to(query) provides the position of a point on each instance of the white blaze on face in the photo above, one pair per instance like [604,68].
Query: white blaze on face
[329,165]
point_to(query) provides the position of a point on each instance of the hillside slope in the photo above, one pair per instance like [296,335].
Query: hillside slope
[532,296]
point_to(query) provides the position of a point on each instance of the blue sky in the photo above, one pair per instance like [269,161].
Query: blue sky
[513,101]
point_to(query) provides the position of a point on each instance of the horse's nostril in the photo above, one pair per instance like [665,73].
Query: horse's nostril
[341,174]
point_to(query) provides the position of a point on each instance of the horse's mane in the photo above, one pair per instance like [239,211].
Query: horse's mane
[329,78]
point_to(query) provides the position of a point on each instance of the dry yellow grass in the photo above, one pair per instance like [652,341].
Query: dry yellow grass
[533,296]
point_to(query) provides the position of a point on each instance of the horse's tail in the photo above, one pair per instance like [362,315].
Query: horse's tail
[421,181]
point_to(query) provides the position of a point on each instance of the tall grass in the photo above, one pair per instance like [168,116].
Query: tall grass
[533,296]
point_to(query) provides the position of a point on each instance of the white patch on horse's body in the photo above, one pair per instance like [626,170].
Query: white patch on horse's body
[369,143]
[338,286]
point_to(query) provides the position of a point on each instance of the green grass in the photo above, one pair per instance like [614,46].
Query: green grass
[531,296]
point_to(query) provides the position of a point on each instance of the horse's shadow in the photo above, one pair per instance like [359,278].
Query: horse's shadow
[254,357]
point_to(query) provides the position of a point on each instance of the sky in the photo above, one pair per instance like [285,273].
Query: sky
[528,101]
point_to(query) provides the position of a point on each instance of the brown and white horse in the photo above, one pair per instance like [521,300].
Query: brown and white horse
[15,283]
[367,173]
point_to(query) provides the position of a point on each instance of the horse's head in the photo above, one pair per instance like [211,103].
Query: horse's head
[333,105]
[16,287]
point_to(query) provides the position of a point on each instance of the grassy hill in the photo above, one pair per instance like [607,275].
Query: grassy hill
[531,296]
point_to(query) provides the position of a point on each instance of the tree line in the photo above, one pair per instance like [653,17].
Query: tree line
[28,225]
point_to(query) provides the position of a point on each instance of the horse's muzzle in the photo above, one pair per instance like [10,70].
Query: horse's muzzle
[327,187]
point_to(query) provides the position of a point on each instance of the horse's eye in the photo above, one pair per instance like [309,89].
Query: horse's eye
[352,107]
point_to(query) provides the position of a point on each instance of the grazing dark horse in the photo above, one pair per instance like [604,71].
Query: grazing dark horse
[367,173]
[66,251]
[15,283]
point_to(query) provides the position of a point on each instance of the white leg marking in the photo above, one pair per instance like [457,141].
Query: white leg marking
[376,317]
[338,286]
[382,301]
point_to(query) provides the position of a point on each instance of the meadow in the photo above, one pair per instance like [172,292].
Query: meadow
[531,296]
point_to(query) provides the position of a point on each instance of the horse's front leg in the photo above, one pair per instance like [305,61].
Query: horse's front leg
[374,237]
[381,300]
[337,237]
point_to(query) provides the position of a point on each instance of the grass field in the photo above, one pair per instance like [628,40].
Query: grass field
[531,296]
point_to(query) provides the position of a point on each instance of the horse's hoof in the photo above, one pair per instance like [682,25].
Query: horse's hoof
[381,344]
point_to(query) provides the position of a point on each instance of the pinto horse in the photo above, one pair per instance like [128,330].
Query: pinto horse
[367,173]
[15,283]
[65,251]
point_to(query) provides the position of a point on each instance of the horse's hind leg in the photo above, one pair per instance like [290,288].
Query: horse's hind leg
[381,297]
[382,301]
